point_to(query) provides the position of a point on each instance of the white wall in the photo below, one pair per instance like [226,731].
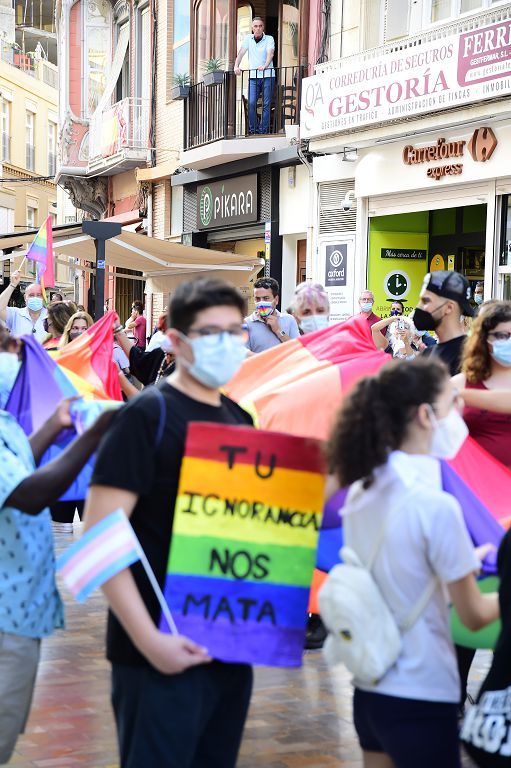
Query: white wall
[289,267]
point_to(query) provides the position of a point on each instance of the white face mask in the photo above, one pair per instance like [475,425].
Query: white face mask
[449,434]
[311,323]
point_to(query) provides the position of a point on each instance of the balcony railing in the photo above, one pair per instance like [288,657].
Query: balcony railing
[235,107]
[6,147]
[30,157]
[26,62]
[125,125]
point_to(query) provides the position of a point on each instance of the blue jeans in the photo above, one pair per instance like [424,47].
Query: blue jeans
[256,85]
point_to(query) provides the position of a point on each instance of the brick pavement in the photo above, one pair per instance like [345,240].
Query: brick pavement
[298,717]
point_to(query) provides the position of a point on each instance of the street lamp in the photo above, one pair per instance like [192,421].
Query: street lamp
[101,231]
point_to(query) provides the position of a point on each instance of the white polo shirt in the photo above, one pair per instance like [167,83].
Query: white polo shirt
[20,323]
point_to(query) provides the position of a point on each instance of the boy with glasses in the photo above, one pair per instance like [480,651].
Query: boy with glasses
[174,706]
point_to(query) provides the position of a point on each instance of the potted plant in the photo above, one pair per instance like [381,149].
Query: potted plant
[213,72]
[181,87]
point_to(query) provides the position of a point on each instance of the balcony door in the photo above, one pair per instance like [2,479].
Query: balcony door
[211,34]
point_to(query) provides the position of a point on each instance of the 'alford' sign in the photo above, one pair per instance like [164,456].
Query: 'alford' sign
[223,203]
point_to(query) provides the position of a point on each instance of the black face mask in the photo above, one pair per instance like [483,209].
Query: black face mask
[424,321]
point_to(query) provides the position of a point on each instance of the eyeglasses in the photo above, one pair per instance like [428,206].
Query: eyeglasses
[500,335]
[213,330]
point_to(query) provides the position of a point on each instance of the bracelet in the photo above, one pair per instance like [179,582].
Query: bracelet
[118,329]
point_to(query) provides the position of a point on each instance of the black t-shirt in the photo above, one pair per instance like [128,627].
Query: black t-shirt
[450,352]
[129,458]
[145,365]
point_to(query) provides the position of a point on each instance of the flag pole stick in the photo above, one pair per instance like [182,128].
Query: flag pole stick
[163,604]
[22,262]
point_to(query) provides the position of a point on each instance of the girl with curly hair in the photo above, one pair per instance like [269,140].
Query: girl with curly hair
[386,442]
[486,366]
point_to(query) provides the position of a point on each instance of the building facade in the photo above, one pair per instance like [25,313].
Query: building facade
[107,97]
[29,129]
[408,128]
[203,149]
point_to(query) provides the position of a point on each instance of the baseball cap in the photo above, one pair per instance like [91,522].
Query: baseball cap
[450,285]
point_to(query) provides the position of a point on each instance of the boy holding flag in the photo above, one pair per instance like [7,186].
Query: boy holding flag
[174,706]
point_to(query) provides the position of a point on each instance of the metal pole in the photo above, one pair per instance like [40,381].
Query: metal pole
[100,231]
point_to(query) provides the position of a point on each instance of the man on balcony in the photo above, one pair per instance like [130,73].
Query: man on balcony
[260,49]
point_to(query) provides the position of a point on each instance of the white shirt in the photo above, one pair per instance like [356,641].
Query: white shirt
[20,323]
[426,536]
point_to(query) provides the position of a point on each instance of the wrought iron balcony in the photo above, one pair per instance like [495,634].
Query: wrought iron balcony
[119,136]
[235,107]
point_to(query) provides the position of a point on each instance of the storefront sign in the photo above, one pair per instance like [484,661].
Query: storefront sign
[228,202]
[437,75]
[403,253]
[336,265]
[338,277]
[481,147]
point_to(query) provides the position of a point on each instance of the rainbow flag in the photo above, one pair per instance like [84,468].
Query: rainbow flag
[90,358]
[105,550]
[41,385]
[298,386]
[41,251]
[244,538]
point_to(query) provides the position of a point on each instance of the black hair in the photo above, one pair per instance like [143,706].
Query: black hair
[397,301]
[268,282]
[138,305]
[374,418]
[192,296]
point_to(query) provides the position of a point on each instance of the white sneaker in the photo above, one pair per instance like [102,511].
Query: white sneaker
[63,527]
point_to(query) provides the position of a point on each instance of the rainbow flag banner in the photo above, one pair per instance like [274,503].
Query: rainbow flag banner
[41,251]
[245,532]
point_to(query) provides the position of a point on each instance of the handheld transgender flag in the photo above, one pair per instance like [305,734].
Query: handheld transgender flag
[41,251]
[105,550]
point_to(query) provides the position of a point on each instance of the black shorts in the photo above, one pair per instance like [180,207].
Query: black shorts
[191,720]
[414,733]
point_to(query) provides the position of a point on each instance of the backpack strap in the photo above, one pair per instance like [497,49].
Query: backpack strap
[420,606]
[162,415]
[422,602]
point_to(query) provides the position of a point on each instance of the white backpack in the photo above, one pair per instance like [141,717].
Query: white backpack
[362,632]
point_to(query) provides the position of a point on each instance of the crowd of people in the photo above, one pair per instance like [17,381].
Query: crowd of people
[174,706]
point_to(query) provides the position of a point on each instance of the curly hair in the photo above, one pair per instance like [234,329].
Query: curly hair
[477,361]
[375,417]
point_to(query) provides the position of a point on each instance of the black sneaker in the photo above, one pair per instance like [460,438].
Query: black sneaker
[315,633]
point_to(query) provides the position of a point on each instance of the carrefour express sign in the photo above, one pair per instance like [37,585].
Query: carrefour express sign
[437,75]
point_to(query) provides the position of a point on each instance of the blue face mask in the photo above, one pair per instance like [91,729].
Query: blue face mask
[312,323]
[395,312]
[216,358]
[9,367]
[35,303]
[366,306]
[501,352]
[478,298]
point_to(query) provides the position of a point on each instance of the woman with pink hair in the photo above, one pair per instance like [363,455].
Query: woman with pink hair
[310,307]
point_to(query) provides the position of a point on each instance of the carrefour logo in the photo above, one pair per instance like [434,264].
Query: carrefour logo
[206,206]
